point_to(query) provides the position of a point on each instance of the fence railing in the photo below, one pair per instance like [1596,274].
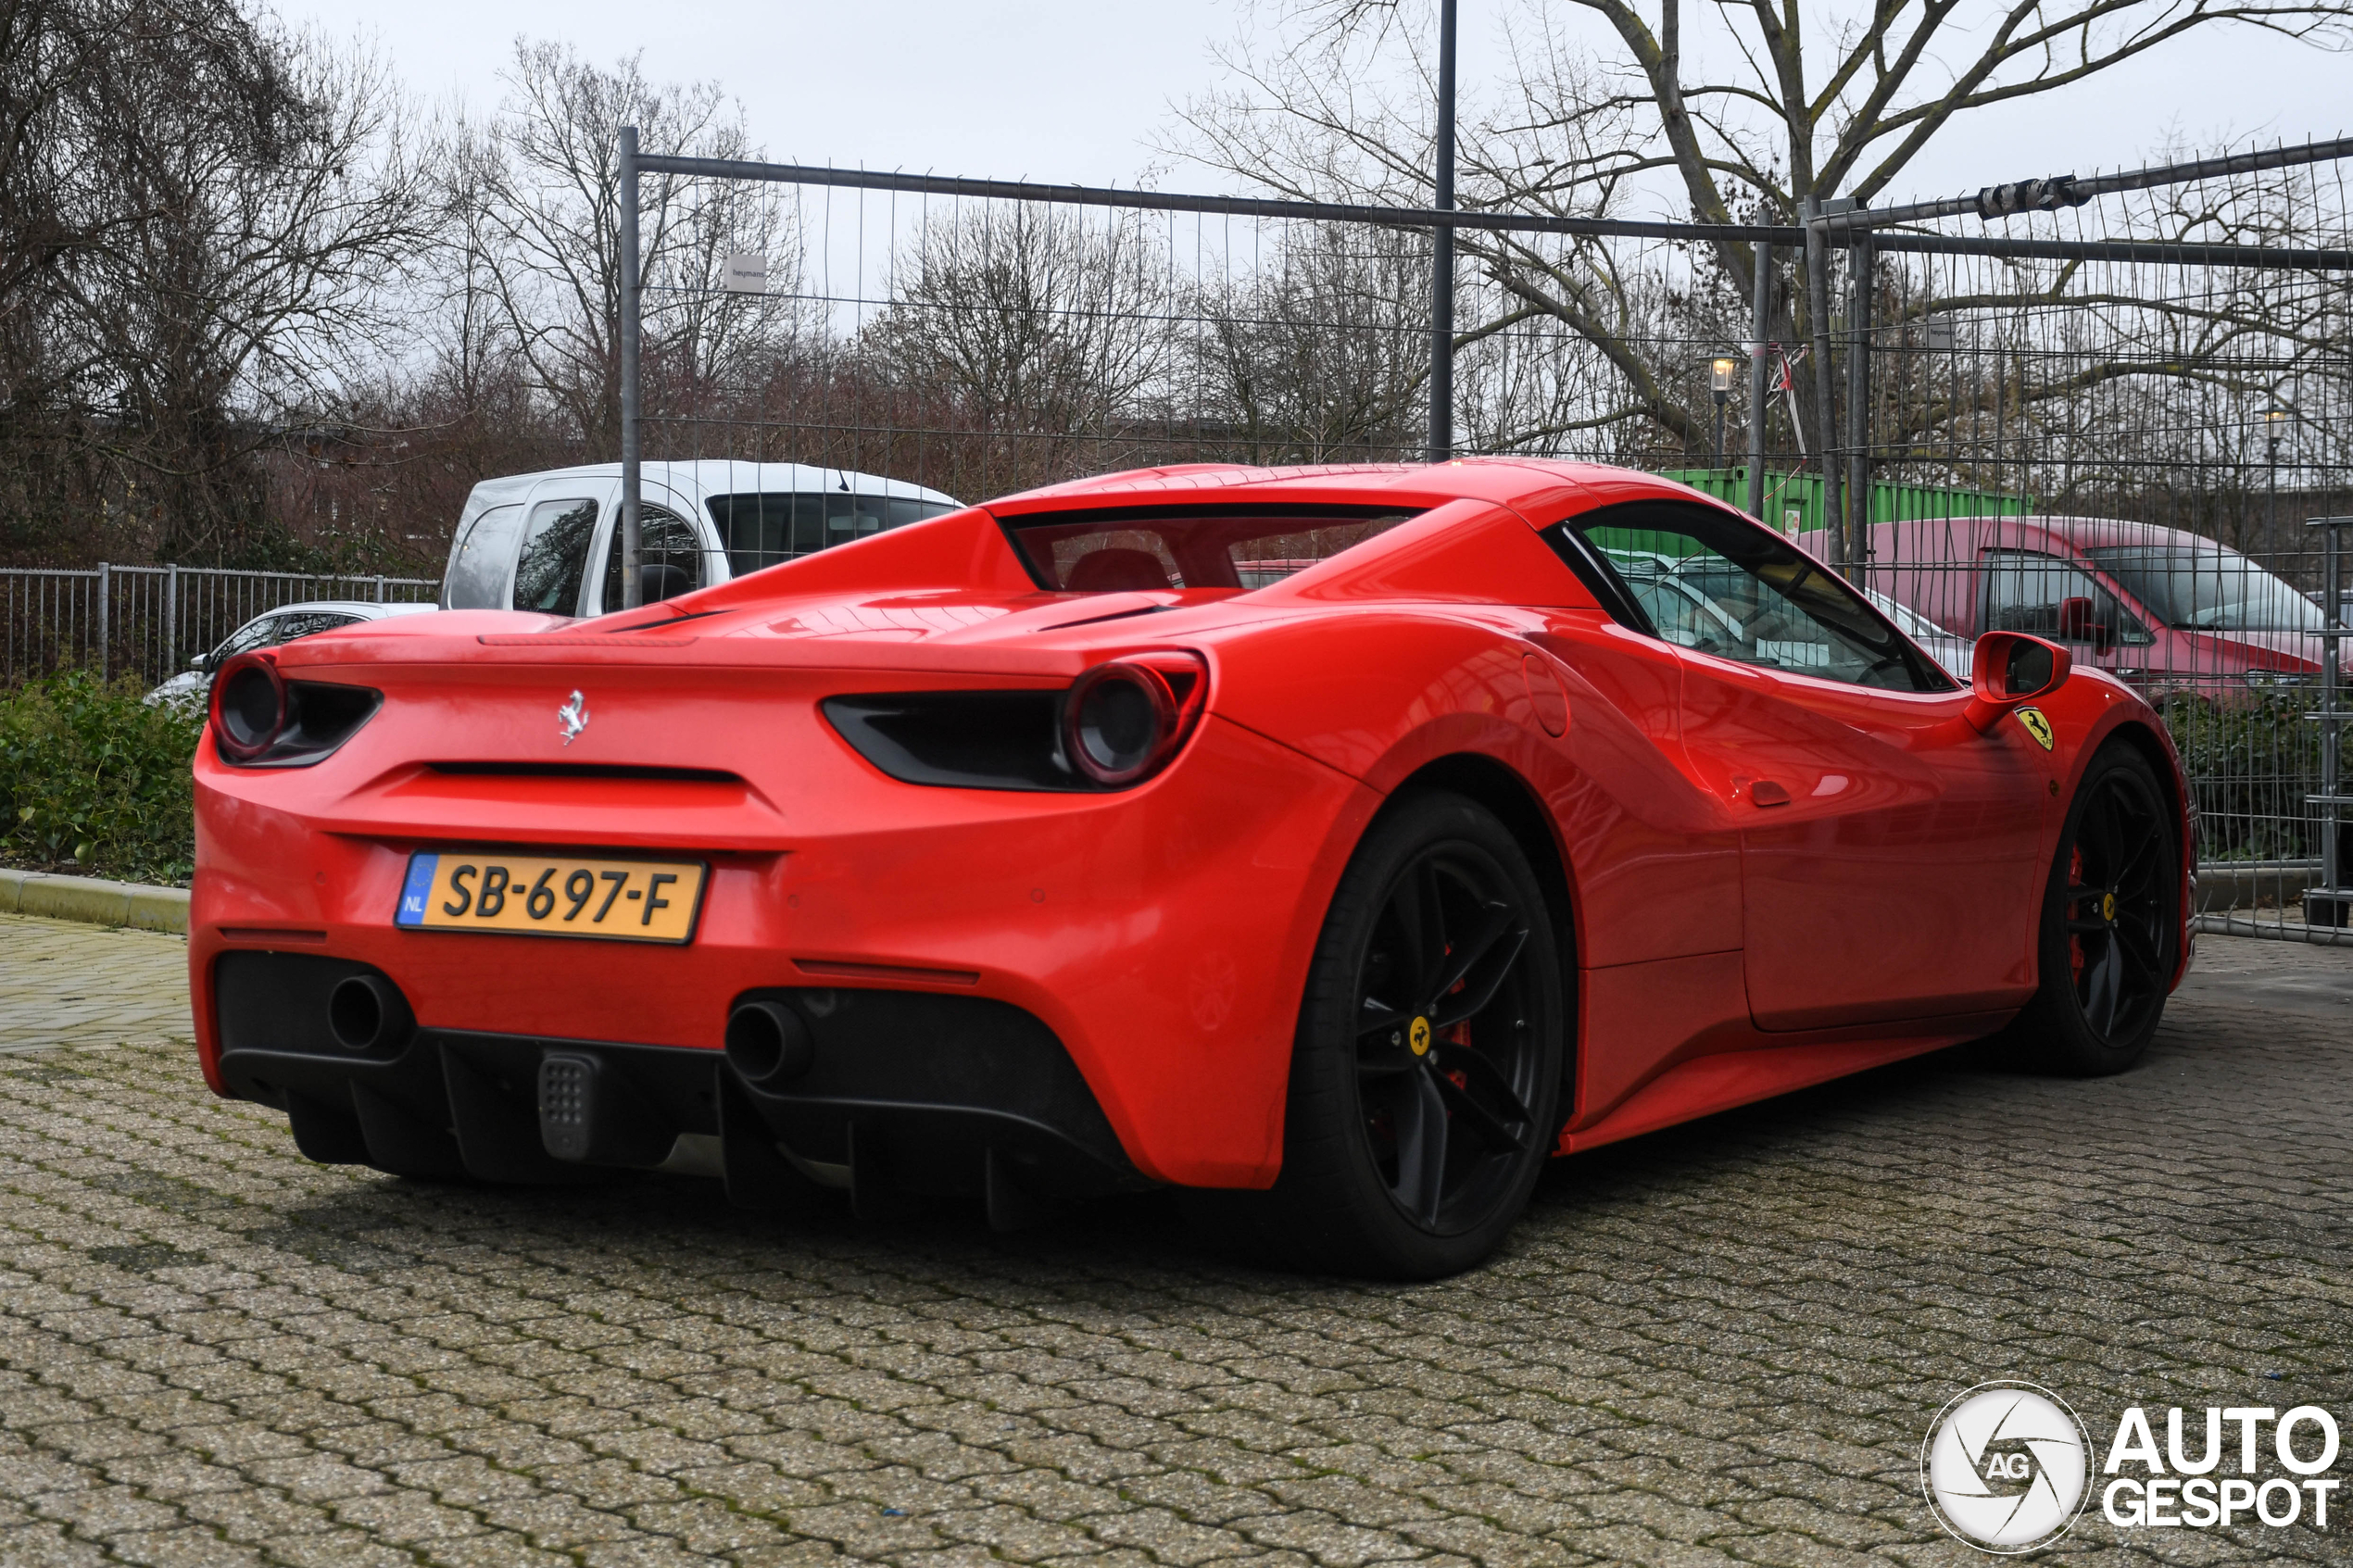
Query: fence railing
[148,621]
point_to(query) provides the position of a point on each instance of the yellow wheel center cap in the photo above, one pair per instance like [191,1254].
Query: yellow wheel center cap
[2108,908]
[1418,1036]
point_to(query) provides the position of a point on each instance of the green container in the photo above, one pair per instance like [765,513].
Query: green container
[1794,501]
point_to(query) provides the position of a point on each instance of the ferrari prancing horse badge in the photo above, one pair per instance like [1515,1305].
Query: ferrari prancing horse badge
[2036,726]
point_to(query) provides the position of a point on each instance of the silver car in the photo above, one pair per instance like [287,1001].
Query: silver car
[283,624]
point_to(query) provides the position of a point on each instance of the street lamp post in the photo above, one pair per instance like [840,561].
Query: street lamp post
[1720,371]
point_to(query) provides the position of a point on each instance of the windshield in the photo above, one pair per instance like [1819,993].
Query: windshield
[1232,547]
[2208,589]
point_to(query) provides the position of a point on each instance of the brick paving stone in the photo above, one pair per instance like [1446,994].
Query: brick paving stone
[1717,1345]
[66,983]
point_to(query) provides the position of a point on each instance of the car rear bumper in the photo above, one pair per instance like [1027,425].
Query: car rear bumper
[1160,938]
[904,1095]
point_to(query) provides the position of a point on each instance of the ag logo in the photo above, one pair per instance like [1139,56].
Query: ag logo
[2036,726]
[2004,1467]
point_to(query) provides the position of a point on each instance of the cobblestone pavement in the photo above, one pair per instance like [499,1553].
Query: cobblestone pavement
[1717,1344]
[66,985]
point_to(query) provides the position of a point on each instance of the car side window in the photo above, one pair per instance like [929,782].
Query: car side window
[761,530]
[1721,585]
[262,632]
[2028,590]
[555,556]
[669,558]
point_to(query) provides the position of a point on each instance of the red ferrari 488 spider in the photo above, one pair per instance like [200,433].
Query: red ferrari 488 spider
[1348,839]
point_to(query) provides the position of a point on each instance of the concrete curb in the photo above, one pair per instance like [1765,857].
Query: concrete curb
[98,903]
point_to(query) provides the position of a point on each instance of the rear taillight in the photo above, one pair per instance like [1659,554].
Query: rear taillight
[262,720]
[1118,724]
[248,707]
[1124,719]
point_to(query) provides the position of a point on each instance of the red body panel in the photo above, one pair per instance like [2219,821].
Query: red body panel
[1164,933]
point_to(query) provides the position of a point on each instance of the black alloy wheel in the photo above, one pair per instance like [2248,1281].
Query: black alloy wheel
[2111,923]
[1425,1078]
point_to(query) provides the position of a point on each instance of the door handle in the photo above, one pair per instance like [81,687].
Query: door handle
[1765,792]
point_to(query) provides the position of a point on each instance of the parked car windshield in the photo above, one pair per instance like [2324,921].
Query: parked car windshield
[2208,589]
[478,566]
[555,554]
[1137,549]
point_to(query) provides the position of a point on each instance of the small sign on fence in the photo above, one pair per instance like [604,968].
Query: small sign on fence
[744,271]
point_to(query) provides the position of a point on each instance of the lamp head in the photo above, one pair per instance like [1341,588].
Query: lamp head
[1720,371]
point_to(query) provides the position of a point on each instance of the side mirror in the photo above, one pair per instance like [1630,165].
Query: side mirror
[2075,621]
[2012,668]
[201,663]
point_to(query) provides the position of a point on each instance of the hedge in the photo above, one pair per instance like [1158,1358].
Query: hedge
[94,780]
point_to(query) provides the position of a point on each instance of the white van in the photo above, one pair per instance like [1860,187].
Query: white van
[526,542]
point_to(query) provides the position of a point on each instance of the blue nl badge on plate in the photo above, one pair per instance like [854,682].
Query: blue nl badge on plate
[418,888]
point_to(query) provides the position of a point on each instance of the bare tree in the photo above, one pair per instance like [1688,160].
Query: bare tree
[1602,113]
[1033,323]
[208,218]
[1319,357]
[534,194]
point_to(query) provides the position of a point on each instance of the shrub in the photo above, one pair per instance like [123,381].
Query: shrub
[93,780]
[2251,760]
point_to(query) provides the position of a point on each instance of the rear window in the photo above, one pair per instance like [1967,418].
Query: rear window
[762,528]
[1232,547]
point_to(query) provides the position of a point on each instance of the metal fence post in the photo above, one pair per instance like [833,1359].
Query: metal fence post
[106,598]
[631,457]
[1761,327]
[1441,251]
[1858,404]
[2328,903]
[1817,306]
[172,620]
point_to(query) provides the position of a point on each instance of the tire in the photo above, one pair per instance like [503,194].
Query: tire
[1415,1129]
[2111,925]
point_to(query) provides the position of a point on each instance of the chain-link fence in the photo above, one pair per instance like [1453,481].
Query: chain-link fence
[2107,419]
[2173,423]
[148,621]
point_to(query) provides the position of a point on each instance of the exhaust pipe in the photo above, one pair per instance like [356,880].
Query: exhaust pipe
[770,1044]
[367,1012]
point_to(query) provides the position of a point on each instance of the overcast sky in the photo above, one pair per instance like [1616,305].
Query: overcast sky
[1070,90]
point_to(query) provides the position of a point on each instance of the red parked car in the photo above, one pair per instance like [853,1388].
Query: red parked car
[2167,610]
[1346,841]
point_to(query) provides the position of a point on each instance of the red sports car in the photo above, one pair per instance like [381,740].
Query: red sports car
[1350,839]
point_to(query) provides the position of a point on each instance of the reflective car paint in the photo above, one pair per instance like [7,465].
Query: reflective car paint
[1163,933]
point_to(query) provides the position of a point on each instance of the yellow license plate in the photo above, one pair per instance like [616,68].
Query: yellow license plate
[552,895]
